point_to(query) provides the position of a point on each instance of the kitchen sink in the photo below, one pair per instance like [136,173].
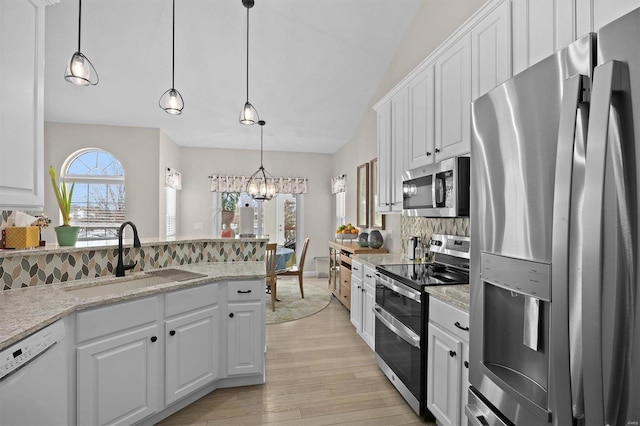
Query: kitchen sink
[134,283]
[148,279]
[175,274]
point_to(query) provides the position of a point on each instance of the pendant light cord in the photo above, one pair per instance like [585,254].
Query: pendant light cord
[173,47]
[261,133]
[79,22]
[247,54]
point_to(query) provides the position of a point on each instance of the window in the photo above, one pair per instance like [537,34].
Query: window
[340,209]
[171,211]
[98,202]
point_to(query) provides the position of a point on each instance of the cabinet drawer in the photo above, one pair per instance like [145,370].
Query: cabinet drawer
[117,317]
[370,276]
[189,299]
[357,269]
[238,291]
[449,317]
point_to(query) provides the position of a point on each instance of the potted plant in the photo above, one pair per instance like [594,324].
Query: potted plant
[67,235]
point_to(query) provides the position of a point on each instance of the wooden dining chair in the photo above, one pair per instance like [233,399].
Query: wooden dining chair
[298,270]
[271,278]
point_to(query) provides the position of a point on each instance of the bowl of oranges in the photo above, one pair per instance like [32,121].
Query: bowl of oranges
[347,232]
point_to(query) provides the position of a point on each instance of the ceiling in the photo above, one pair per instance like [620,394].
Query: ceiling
[315,67]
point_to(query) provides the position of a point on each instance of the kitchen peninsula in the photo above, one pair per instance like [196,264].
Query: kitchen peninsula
[182,338]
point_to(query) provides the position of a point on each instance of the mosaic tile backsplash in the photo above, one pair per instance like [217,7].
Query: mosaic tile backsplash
[47,268]
[425,227]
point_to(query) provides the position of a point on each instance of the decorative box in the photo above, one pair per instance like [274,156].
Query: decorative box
[18,237]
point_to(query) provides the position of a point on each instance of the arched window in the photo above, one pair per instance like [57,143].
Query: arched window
[98,203]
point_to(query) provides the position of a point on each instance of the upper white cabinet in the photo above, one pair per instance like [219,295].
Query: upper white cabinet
[22,122]
[422,135]
[593,14]
[392,137]
[453,97]
[491,50]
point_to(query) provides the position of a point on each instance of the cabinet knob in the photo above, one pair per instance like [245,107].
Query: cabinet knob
[452,354]
[368,276]
[428,153]
[466,364]
[154,338]
[231,315]
[437,150]
[172,333]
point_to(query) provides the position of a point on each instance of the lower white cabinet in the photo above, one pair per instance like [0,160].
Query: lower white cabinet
[363,296]
[245,327]
[447,362]
[137,358]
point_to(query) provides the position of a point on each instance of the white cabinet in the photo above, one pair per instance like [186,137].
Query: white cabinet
[421,144]
[540,28]
[491,50]
[453,97]
[118,368]
[363,287]
[447,362]
[192,350]
[22,86]
[384,158]
[245,327]
[593,14]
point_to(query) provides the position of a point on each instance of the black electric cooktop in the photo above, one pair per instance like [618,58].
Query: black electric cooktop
[424,274]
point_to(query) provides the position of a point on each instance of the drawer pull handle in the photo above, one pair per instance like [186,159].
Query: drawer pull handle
[244,291]
[452,354]
[461,327]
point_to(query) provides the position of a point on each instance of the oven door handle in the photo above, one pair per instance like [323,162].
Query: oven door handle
[403,291]
[399,329]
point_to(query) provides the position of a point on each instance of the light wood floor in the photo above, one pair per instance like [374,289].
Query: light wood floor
[318,372]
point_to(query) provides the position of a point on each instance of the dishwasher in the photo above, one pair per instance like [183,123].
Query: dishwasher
[34,378]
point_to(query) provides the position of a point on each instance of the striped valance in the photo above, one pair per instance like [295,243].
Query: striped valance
[284,185]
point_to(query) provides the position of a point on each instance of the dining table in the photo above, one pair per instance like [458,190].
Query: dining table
[285,258]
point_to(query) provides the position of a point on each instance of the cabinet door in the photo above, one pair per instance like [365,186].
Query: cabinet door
[192,352]
[22,84]
[453,97]
[399,140]
[491,50]
[118,378]
[422,119]
[384,158]
[464,389]
[593,14]
[245,338]
[540,28]
[356,303]
[368,318]
[443,375]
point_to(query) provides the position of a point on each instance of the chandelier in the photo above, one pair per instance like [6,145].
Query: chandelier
[261,185]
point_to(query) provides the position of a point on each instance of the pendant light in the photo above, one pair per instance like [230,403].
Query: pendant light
[261,185]
[249,115]
[171,100]
[80,71]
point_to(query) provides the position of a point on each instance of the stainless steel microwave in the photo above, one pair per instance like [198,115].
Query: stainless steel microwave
[437,190]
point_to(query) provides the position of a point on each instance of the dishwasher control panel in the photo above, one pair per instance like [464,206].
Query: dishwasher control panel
[18,355]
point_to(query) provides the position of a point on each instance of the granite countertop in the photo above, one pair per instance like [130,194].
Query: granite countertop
[456,295]
[27,310]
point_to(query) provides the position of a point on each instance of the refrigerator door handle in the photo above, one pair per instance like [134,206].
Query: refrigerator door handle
[609,77]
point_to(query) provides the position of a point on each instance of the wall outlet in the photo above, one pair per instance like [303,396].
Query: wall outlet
[198,225]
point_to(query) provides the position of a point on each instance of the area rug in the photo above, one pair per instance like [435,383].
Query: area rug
[292,306]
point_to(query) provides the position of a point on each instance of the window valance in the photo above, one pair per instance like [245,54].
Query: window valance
[284,185]
[173,179]
[338,184]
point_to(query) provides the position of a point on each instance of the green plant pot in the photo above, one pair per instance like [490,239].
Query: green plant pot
[67,235]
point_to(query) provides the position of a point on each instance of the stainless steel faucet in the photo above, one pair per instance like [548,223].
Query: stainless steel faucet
[120,268]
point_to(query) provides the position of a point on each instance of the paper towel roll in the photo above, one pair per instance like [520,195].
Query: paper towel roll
[246,221]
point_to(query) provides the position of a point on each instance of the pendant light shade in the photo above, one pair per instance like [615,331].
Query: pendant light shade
[80,71]
[261,185]
[249,115]
[171,101]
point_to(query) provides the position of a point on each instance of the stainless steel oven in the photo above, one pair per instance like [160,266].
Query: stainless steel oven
[401,309]
[437,190]
[398,334]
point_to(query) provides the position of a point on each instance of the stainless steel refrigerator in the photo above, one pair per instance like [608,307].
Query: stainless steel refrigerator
[555,328]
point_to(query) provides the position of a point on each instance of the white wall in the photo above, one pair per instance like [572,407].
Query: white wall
[196,199]
[433,23]
[136,148]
